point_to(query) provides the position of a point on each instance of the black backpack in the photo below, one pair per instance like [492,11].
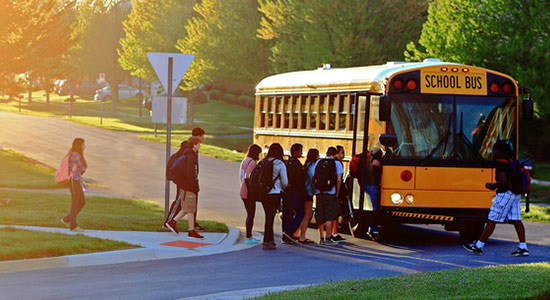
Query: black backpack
[324,178]
[261,180]
[176,172]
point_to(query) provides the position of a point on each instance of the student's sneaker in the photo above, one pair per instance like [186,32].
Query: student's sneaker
[194,235]
[473,248]
[330,241]
[269,246]
[373,235]
[199,228]
[172,225]
[322,242]
[251,241]
[77,229]
[338,238]
[67,224]
[521,252]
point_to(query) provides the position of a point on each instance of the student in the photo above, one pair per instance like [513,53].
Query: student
[328,207]
[343,195]
[271,201]
[189,190]
[294,196]
[176,205]
[247,165]
[506,204]
[372,186]
[309,169]
[77,167]
[198,133]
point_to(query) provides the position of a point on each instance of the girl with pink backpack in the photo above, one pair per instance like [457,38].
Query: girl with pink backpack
[75,165]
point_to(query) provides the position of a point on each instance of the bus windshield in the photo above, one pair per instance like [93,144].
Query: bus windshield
[450,127]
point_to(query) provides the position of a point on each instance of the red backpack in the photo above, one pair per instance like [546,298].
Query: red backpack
[355,164]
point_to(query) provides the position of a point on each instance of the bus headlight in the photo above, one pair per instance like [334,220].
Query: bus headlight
[396,198]
[409,198]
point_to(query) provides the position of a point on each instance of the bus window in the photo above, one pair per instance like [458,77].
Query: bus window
[303,112]
[262,111]
[295,111]
[285,109]
[343,105]
[332,112]
[313,112]
[277,111]
[322,111]
[269,108]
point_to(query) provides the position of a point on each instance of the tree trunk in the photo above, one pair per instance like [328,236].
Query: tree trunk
[48,86]
[29,94]
[114,97]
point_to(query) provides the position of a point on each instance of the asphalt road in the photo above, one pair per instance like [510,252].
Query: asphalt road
[129,167]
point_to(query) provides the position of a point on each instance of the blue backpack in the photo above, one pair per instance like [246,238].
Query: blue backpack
[176,172]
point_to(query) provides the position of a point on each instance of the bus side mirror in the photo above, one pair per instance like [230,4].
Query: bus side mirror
[388,140]
[384,111]
[527,109]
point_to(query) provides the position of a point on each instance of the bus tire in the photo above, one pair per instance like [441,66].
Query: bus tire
[471,232]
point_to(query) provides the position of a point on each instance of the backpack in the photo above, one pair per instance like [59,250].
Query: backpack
[521,178]
[261,180]
[355,164]
[171,161]
[176,172]
[324,178]
[62,174]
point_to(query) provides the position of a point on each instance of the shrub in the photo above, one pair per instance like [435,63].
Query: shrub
[229,98]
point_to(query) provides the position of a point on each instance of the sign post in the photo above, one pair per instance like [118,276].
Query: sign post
[170,68]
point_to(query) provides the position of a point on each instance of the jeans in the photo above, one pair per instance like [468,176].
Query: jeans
[77,202]
[293,205]
[250,206]
[374,194]
[270,203]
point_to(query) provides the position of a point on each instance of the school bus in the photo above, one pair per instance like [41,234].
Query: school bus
[437,122]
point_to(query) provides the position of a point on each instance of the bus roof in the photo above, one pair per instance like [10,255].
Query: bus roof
[372,78]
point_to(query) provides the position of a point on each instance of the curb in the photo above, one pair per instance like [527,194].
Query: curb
[223,245]
[247,294]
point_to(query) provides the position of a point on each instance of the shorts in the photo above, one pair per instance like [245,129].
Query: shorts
[189,202]
[327,208]
[506,207]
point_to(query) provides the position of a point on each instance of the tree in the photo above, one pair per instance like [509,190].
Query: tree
[98,32]
[223,38]
[152,26]
[511,36]
[309,33]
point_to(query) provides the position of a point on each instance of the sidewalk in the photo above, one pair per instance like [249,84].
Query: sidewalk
[156,245]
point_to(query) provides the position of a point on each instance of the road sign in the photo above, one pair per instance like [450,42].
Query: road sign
[181,62]
[160,105]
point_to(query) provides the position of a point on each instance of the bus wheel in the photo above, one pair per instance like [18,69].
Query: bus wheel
[471,232]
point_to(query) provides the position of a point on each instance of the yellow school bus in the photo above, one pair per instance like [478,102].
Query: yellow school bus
[437,122]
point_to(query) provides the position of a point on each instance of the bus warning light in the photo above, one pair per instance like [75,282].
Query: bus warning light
[412,84]
[494,87]
[406,175]
[506,88]
[398,84]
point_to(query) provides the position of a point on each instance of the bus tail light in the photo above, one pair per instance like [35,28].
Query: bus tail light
[494,87]
[409,198]
[506,88]
[396,198]
[398,84]
[412,84]
[406,175]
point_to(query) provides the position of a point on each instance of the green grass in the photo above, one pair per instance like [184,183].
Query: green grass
[527,281]
[537,213]
[225,124]
[19,171]
[100,213]
[14,244]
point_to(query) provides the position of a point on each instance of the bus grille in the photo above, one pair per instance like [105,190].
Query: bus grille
[421,216]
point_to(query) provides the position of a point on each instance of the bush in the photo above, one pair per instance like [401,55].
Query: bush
[247,101]
[229,98]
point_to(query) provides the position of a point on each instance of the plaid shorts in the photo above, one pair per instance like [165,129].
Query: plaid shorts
[506,207]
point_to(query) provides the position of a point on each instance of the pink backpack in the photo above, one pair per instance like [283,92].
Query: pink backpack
[62,175]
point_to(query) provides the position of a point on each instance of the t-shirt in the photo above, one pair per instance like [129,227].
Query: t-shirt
[339,171]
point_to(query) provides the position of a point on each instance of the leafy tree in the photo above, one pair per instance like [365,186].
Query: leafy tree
[223,38]
[511,36]
[308,33]
[98,32]
[152,26]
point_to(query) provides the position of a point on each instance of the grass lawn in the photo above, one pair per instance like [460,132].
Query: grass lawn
[15,244]
[100,213]
[542,171]
[537,213]
[17,170]
[220,120]
[527,281]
